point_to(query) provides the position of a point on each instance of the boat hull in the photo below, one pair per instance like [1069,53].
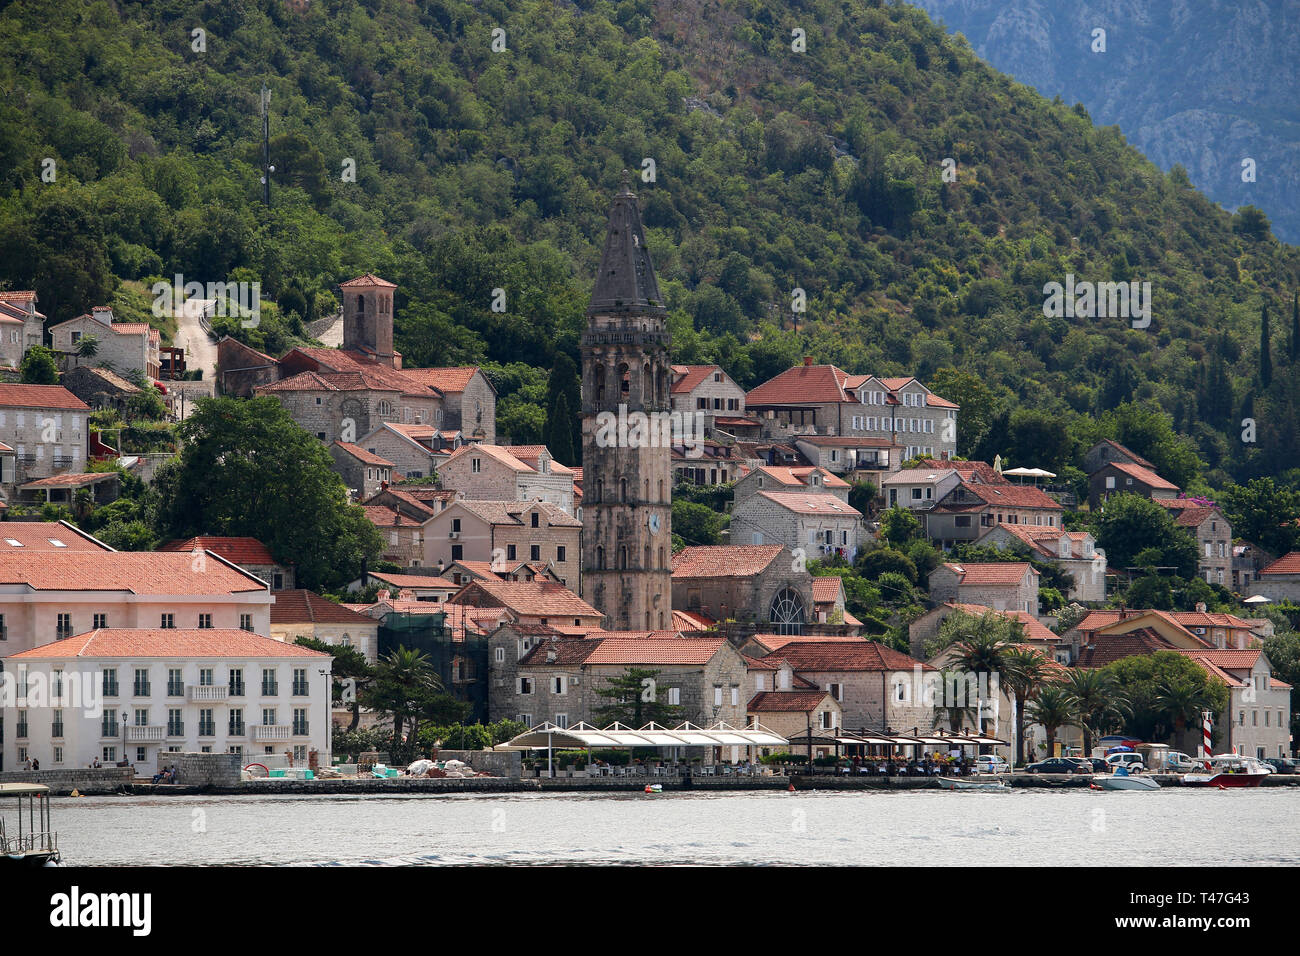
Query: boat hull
[988,786]
[1231,780]
[1125,783]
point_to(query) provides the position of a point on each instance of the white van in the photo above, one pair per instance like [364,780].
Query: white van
[1132,761]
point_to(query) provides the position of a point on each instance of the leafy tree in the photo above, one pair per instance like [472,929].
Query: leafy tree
[697,524]
[1131,524]
[247,469]
[978,405]
[1265,349]
[349,665]
[862,495]
[899,525]
[1147,680]
[88,347]
[1265,513]
[38,367]
[406,689]
[875,562]
[634,698]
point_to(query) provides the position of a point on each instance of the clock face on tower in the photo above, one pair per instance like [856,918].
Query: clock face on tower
[652,523]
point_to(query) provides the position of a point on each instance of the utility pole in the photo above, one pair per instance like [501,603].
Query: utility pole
[267,168]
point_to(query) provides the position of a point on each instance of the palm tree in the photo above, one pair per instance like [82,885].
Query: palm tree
[404,680]
[1054,707]
[1102,705]
[984,652]
[1181,702]
[1025,670]
[88,347]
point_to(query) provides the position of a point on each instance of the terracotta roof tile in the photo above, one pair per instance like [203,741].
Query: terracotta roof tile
[654,649]
[299,606]
[827,589]
[812,504]
[785,701]
[991,573]
[363,456]
[801,385]
[172,643]
[241,551]
[368,279]
[136,572]
[1035,630]
[537,598]
[42,535]
[1287,564]
[847,656]
[1105,649]
[797,477]
[40,396]
[451,380]
[711,561]
[689,376]
[970,471]
[1144,475]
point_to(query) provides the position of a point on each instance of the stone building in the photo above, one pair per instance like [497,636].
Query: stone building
[1280,581]
[756,587]
[627,477]
[793,713]
[21,326]
[1120,477]
[505,533]
[1074,552]
[99,387]
[368,318]
[918,489]
[1213,535]
[126,346]
[339,406]
[539,601]
[405,534]
[707,391]
[819,525]
[46,426]
[971,508]
[364,474]
[1001,585]
[539,676]
[469,400]
[412,449]
[241,368]
[805,479]
[876,687]
[494,472]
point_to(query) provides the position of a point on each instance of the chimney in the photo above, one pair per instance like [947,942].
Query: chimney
[807,361]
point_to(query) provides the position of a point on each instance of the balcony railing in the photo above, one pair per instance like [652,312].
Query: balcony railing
[271,690]
[208,692]
[142,690]
[20,732]
[271,732]
[146,735]
[56,731]
[176,728]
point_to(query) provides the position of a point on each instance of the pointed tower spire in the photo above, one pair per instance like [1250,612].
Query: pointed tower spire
[626,281]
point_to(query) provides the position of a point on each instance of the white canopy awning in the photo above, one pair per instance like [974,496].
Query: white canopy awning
[548,736]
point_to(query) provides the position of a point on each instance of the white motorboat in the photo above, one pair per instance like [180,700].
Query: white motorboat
[991,786]
[1123,781]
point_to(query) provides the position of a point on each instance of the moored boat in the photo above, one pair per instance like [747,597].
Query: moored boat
[1124,781]
[992,786]
[1229,770]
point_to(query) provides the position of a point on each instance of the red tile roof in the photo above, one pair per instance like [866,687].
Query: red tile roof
[654,648]
[241,551]
[42,535]
[299,606]
[785,701]
[1095,620]
[447,380]
[1287,564]
[992,572]
[414,581]
[847,656]
[692,621]
[689,376]
[802,385]
[136,572]
[139,643]
[827,589]
[496,452]
[71,479]
[338,361]
[1013,496]
[969,471]
[812,504]
[363,456]
[1144,475]
[1128,453]
[797,477]
[1107,648]
[368,279]
[40,396]
[536,598]
[714,561]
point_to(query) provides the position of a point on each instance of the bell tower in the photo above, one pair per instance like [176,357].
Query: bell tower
[368,317]
[626,439]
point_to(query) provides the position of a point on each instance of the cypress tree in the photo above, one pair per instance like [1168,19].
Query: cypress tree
[1295,327]
[1265,358]
[559,431]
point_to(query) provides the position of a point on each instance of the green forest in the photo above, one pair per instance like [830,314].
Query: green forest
[795,145]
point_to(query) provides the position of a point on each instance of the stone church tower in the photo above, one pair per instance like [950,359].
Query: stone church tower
[368,317]
[626,471]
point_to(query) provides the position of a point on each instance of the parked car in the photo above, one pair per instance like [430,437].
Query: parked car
[991,763]
[1283,764]
[1133,762]
[1094,764]
[1058,765]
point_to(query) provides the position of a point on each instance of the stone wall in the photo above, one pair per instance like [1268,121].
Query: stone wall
[204,770]
[83,780]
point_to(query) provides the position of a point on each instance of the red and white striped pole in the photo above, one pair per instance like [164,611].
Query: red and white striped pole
[1206,751]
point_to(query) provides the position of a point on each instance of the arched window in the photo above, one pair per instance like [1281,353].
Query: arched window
[347,640]
[661,491]
[647,489]
[646,566]
[600,489]
[625,380]
[786,613]
[662,563]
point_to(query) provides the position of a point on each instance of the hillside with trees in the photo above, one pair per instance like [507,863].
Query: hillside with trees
[776,169]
